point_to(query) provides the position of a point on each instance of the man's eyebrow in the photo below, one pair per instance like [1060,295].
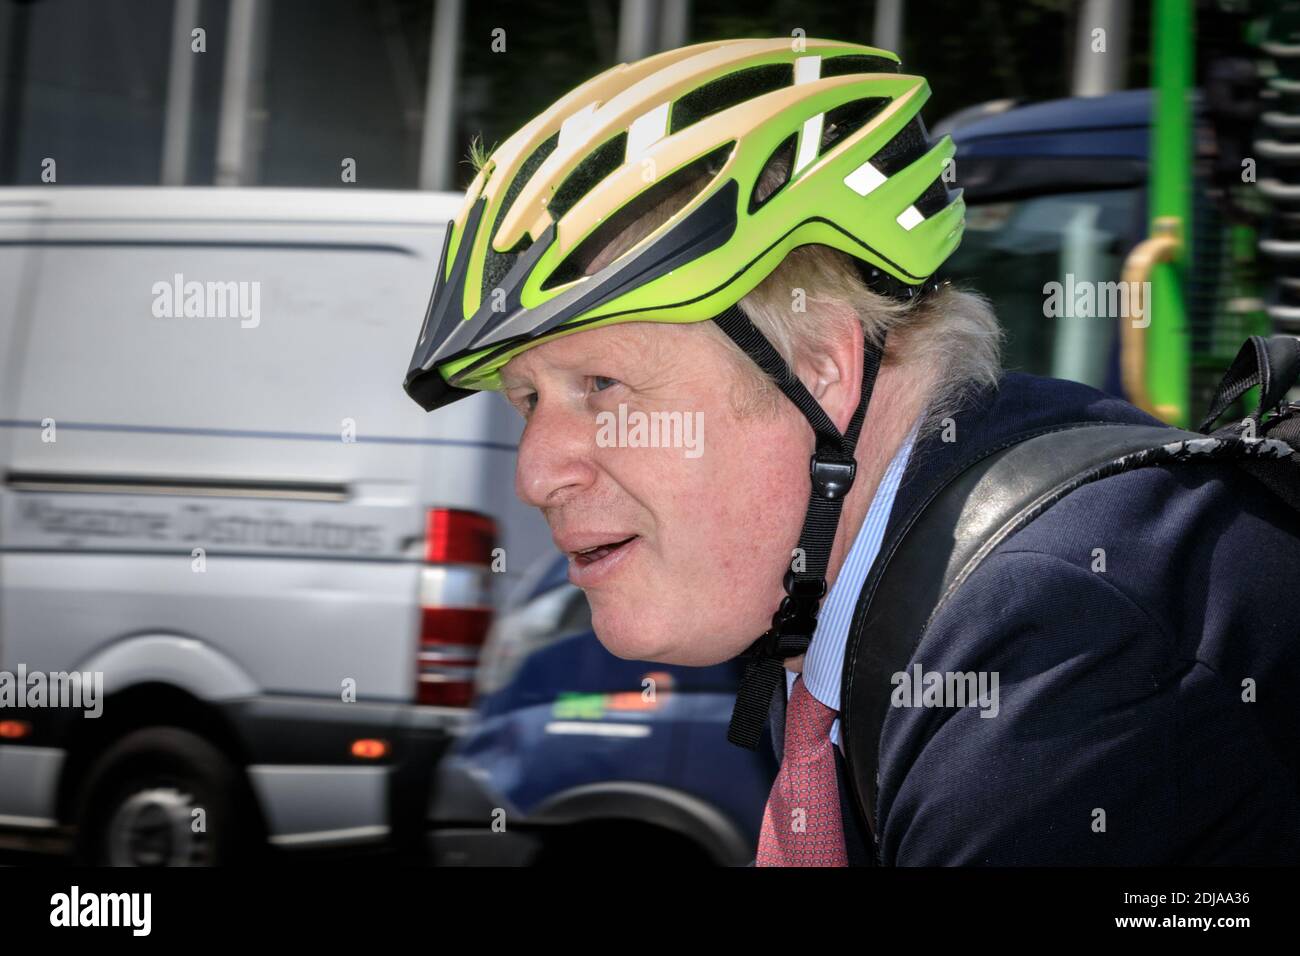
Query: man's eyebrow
[616,351]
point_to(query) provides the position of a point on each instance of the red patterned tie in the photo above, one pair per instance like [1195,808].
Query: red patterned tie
[802,824]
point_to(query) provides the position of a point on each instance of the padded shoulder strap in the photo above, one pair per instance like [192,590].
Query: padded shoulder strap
[936,547]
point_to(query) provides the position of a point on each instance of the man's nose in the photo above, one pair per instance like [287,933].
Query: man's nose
[555,455]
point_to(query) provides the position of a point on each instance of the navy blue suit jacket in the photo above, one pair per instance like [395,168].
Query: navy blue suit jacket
[1149,713]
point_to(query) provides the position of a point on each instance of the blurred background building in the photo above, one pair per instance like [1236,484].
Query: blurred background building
[279,92]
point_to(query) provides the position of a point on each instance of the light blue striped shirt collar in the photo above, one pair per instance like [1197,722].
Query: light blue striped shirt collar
[823,664]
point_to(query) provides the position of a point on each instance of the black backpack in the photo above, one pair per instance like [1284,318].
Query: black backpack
[984,501]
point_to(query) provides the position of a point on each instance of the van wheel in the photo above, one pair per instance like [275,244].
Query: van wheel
[163,796]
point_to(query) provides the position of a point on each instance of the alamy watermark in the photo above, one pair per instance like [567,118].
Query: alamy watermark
[1083,299]
[208,300]
[637,429]
[920,688]
[75,690]
[133,911]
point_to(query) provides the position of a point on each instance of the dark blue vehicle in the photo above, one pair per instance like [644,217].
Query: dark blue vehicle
[577,756]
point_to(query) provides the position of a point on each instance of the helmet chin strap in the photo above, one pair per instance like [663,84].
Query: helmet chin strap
[832,470]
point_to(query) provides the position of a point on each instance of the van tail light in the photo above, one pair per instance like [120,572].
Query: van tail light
[455,603]
[459,537]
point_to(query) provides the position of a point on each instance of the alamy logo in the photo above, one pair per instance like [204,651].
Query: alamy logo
[1082,299]
[918,688]
[78,690]
[651,430]
[74,908]
[208,300]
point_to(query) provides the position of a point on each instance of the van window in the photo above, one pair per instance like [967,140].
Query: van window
[1013,250]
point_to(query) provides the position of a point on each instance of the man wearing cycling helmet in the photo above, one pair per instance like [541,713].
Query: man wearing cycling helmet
[747,232]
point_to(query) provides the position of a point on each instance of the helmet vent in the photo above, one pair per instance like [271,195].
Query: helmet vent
[774,175]
[678,187]
[526,170]
[727,91]
[934,199]
[600,162]
[844,121]
[857,63]
[497,264]
[904,149]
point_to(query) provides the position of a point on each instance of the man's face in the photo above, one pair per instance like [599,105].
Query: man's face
[707,526]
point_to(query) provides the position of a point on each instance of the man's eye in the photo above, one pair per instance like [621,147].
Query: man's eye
[600,383]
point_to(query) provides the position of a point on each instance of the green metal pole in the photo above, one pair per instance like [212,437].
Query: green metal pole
[1168,347]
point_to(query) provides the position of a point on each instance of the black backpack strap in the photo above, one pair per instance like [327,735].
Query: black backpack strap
[1271,363]
[981,503]
[1274,365]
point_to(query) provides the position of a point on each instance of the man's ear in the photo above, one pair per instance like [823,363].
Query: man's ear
[834,376]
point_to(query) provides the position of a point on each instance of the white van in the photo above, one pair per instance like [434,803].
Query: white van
[243,578]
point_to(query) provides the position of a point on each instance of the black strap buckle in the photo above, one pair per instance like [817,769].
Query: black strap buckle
[832,477]
[796,617]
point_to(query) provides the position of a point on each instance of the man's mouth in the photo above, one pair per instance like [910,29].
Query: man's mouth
[600,551]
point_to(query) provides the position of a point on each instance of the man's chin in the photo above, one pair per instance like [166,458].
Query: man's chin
[634,644]
[630,639]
